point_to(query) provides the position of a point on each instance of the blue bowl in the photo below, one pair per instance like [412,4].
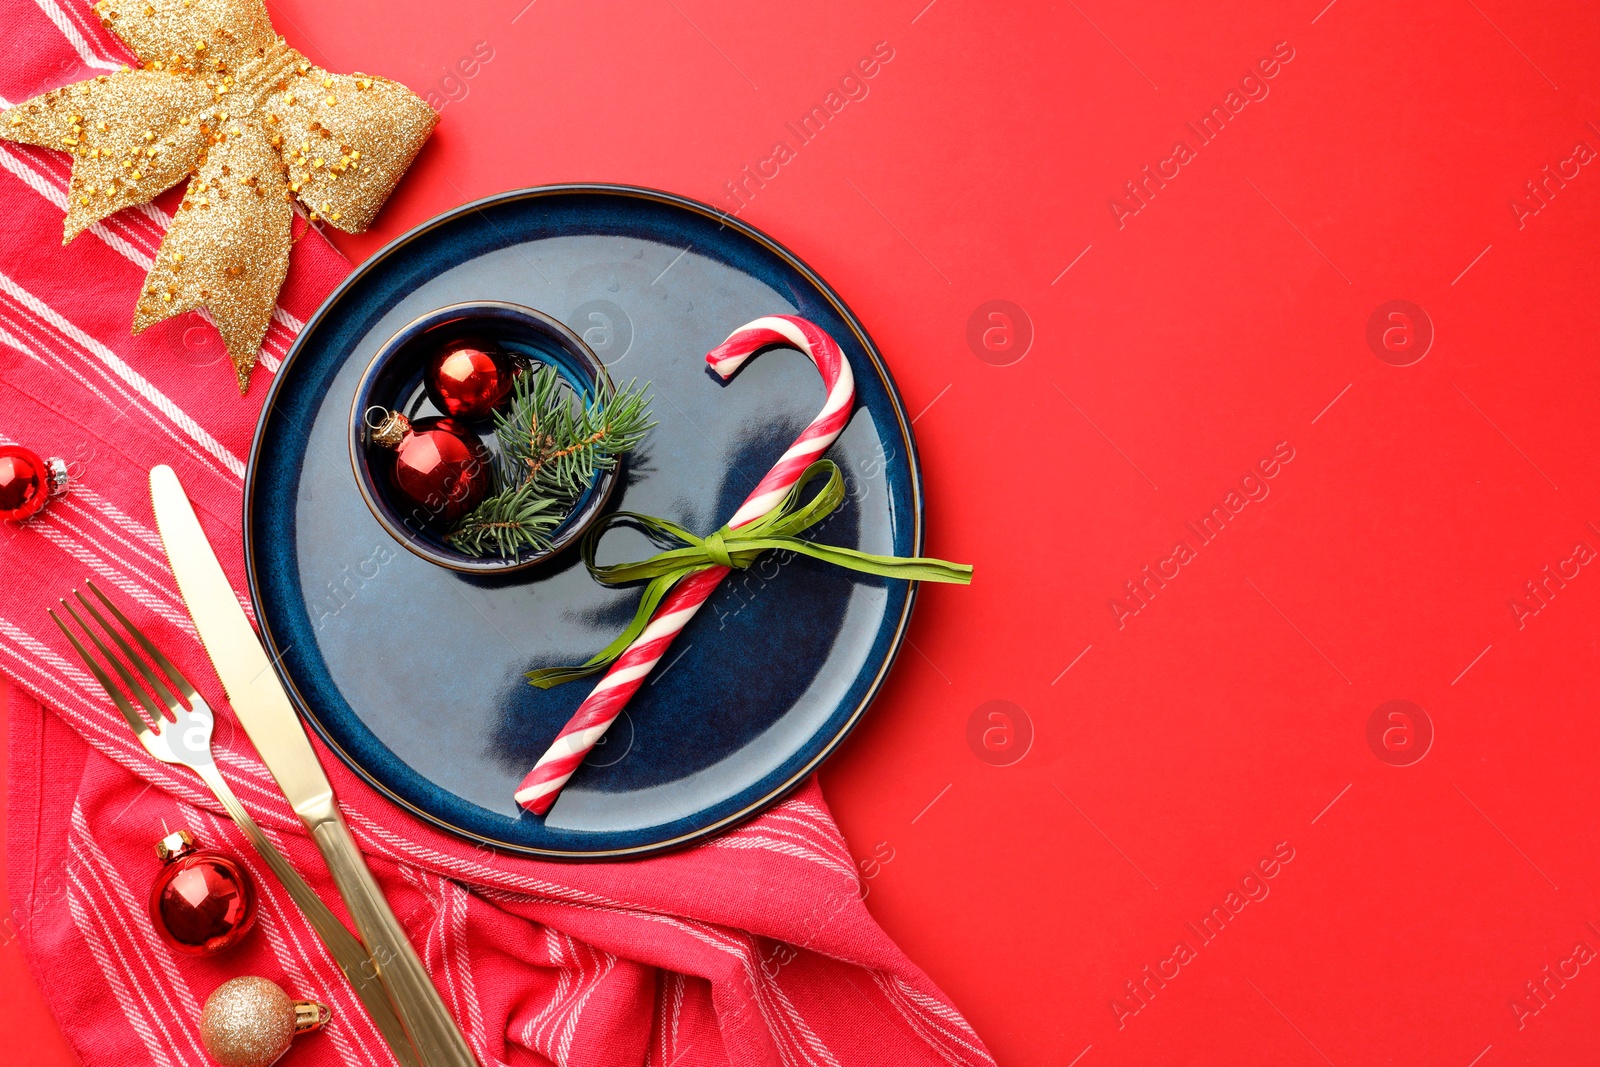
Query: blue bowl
[393,382]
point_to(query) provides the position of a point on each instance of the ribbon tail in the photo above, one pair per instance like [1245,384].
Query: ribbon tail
[550,677]
[227,249]
[910,568]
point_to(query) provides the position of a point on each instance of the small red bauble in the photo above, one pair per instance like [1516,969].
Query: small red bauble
[469,378]
[202,902]
[27,482]
[439,465]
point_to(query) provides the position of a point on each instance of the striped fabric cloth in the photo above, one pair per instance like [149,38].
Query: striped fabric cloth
[752,949]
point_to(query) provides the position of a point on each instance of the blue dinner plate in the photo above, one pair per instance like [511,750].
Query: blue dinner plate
[413,673]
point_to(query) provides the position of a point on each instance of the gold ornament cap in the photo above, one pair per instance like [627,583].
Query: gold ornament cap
[174,846]
[389,428]
[250,1022]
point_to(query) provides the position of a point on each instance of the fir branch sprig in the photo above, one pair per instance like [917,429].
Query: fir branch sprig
[507,523]
[552,445]
[550,437]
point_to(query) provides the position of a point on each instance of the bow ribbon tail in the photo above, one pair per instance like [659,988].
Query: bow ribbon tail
[663,572]
[911,568]
[550,677]
[227,249]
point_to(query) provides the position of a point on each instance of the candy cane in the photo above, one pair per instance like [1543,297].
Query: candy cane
[538,790]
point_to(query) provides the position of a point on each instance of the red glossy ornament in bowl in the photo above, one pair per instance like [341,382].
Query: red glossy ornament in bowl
[202,902]
[441,468]
[469,378]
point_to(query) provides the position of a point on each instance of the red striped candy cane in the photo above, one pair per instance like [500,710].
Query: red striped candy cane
[590,722]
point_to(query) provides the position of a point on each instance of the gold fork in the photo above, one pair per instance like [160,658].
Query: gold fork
[182,736]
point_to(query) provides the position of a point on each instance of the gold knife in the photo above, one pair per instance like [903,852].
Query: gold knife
[263,708]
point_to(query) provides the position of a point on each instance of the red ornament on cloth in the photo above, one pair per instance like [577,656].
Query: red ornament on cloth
[202,902]
[27,482]
[439,465]
[469,378]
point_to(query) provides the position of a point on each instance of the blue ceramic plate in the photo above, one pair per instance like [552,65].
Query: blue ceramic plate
[413,672]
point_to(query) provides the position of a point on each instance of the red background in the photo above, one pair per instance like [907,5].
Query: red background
[1230,713]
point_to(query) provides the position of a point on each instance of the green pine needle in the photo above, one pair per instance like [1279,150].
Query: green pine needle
[552,446]
[507,523]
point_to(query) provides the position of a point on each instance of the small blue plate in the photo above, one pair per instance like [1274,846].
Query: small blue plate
[413,672]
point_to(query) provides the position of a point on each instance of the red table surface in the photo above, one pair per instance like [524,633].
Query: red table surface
[1160,344]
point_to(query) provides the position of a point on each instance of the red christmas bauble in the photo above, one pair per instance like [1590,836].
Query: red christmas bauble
[202,902]
[439,465]
[469,378]
[27,482]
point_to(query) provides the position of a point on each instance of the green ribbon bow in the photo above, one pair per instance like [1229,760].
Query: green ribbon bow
[737,549]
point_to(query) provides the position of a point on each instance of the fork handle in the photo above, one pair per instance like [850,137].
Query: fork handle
[438,1039]
[353,960]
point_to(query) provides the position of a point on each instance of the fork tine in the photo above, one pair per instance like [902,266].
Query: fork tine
[140,727]
[115,664]
[156,685]
[174,676]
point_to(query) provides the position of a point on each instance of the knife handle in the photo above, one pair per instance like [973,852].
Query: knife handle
[347,952]
[438,1040]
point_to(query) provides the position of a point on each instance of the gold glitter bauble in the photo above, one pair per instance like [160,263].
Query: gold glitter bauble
[220,98]
[250,1022]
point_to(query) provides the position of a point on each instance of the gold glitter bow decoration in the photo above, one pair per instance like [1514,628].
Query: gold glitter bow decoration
[220,98]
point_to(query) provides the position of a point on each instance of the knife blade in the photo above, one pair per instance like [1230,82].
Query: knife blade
[264,709]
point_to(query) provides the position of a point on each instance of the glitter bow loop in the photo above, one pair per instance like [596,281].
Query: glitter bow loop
[219,98]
